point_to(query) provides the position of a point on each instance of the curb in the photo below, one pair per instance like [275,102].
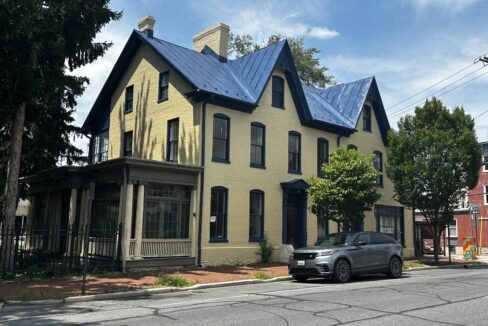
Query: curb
[145,292]
[456,266]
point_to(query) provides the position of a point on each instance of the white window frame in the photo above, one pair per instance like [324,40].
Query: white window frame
[484,159]
[451,235]
[485,194]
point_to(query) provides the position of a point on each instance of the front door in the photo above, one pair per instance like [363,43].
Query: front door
[294,220]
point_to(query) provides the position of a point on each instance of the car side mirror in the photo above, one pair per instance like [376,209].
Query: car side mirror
[360,243]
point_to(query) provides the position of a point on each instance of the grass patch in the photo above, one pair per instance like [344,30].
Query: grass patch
[173,280]
[31,295]
[262,276]
[412,264]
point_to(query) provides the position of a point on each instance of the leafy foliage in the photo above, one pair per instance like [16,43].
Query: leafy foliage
[308,65]
[433,159]
[174,280]
[347,190]
[265,250]
[41,43]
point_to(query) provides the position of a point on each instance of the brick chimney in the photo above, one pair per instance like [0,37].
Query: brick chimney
[146,25]
[215,37]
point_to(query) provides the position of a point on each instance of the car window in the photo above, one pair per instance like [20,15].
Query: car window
[335,239]
[387,238]
[363,237]
[377,238]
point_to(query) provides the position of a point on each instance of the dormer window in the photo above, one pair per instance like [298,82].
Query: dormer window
[278,100]
[366,118]
[129,99]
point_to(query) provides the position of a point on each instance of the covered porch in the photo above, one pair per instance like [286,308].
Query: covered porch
[153,204]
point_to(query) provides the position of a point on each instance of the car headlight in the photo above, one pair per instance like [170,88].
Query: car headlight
[325,253]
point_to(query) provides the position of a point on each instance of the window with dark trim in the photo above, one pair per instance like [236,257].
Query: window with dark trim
[129,99]
[172,141]
[128,143]
[378,165]
[99,151]
[278,93]
[256,215]
[258,136]
[366,118]
[221,135]
[390,220]
[218,214]
[353,147]
[294,152]
[163,86]
[322,155]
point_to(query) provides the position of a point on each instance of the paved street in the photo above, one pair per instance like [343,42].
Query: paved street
[429,297]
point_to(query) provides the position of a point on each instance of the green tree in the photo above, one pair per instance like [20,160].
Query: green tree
[308,65]
[433,158]
[347,190]
[41,43]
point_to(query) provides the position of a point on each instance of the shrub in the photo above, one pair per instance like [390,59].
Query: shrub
[265,250]
[262,276]
[174,280]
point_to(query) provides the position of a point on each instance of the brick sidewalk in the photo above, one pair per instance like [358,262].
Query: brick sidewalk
[61,288]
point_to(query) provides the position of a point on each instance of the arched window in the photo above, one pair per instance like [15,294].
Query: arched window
[351,146]
[278,98]
[258,137]
[221,138]
[322,155]
[218,214]
[366,118]
[294,152]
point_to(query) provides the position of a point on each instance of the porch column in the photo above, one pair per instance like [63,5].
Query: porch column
[139,220]
[72,206]
[128,219]
[71,220]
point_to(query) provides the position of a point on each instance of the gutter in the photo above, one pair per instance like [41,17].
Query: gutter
[202,179]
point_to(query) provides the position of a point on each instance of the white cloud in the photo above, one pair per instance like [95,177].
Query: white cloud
[322,32]
[450,6]
[261,19]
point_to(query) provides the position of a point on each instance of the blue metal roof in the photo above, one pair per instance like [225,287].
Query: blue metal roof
[340,104]
[243,81]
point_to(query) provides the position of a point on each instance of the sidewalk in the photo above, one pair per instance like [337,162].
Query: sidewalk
[41,289]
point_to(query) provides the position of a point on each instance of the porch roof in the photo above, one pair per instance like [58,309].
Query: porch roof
[113,171]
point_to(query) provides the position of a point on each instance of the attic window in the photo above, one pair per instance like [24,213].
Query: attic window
[129,99]
[163,86]
[366,118]
[278,100]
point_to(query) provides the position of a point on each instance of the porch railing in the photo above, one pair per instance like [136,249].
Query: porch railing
[162,248]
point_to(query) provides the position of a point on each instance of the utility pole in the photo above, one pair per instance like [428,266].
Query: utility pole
[483,58]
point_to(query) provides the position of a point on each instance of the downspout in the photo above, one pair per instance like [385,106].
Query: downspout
[122,220]
[339,140]
[202,179]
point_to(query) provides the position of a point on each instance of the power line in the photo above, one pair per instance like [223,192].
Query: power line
[409,107]
[479,115]
[426,89]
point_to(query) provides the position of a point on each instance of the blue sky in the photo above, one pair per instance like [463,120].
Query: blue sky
[408,45]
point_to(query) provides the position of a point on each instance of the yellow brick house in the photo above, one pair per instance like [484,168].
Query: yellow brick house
[199,155]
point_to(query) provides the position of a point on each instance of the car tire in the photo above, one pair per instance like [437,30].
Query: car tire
[395,268]
[342,271]
[300,278]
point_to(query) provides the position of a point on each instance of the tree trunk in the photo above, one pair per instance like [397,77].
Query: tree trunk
[12,181]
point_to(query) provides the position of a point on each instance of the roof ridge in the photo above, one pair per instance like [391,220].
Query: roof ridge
[258,50]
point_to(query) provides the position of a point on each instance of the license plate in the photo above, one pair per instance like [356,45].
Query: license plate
[301,262]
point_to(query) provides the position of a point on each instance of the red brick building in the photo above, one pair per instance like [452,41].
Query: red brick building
[466,224]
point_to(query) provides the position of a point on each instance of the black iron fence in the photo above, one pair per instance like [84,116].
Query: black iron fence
[56,250]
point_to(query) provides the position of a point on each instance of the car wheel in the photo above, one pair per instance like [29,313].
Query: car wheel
[395,268]
[342,271]
[300,278]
